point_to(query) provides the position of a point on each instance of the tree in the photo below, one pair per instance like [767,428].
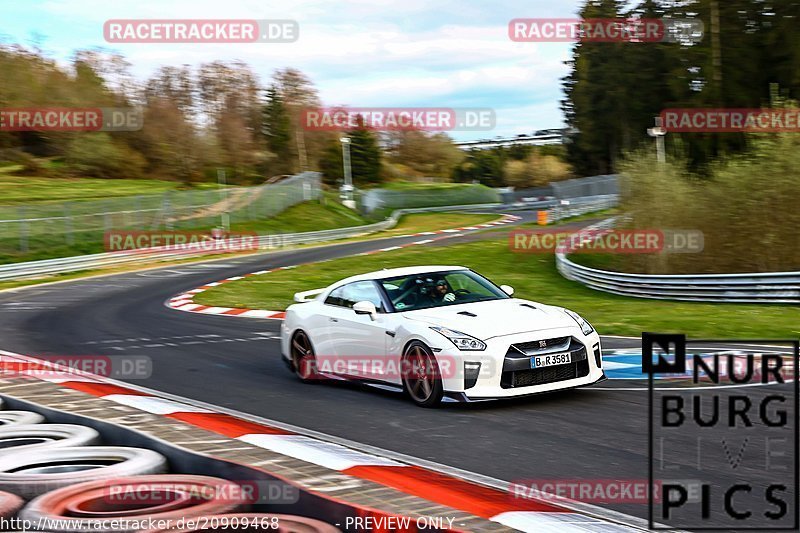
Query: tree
[230,101]
[277,128]
[614,90]
[424,154]
[537,170]
[365,158]
[365,155]
[331,165]
[177,85]
[595,104]
[482,166]
[298,95]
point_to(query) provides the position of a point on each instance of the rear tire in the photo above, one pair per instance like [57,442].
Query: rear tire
[422,380]
[304,361]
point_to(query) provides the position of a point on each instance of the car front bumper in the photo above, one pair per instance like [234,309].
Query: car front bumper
[505,366]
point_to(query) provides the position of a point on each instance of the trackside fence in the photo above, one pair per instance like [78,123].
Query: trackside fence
[43,226]
[270,242]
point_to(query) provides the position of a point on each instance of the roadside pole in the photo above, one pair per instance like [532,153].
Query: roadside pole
[348,175]
[659,133]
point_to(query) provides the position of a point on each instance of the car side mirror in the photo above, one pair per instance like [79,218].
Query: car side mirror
[365,308]
[508,289]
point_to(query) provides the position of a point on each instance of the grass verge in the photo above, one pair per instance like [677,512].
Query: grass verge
[534,277]
[29,190]
[421,222]
[307,216]
[408,224]
[422,185]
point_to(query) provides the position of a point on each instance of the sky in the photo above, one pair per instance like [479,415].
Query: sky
[358,53]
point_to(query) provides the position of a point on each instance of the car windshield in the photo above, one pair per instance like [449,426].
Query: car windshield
[437,289]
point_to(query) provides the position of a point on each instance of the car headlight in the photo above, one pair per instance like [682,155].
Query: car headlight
[586,328]
[462,341]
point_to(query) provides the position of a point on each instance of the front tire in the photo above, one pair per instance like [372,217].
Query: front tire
[422,381]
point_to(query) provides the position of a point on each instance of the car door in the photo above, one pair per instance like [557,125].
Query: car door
[315,323]
[358,341]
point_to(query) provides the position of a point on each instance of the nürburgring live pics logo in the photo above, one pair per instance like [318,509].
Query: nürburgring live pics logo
[723,447]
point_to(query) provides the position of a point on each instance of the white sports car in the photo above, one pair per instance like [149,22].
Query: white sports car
[438,332]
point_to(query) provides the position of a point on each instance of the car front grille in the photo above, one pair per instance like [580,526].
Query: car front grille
[539,347]
[542,376]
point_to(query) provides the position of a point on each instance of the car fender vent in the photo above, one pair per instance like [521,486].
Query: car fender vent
[467,313]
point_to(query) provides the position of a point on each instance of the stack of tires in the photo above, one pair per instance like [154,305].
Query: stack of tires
[61,478]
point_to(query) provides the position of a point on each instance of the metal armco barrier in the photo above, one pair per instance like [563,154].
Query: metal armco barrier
[90,262]
[64,265]
[769,287]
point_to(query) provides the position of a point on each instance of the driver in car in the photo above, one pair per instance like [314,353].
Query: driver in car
[441,292]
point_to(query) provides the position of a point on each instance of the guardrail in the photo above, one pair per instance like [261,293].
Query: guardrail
[65,265]
[267,242]
[580,206]
[769,287]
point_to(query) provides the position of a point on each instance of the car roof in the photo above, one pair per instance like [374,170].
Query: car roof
[398,272]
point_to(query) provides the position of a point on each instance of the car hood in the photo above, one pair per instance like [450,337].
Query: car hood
[494,318]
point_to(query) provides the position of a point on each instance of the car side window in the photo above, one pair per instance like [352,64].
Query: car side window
[358,291]
[335,297]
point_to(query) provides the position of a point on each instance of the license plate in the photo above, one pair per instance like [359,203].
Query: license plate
[551,360]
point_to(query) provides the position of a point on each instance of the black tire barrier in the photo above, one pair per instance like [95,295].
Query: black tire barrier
[32,474]
[189,462]
[8,418]
[10,504]
[118,505]
[22,438]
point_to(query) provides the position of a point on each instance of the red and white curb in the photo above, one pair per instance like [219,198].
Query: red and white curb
[185,301]
[494,504]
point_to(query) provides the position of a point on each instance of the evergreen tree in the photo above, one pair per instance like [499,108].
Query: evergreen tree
[365,155]
[595,104]
[276,127]
[365,158]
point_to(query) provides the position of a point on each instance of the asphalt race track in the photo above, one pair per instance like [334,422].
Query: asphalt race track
[594,433]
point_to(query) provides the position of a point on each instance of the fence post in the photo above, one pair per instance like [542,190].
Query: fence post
[68,226]
[251,203]
[166,208]
[137,208]
[106,217]
[23,231]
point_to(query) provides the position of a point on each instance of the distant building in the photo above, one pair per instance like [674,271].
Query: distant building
[538,138]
